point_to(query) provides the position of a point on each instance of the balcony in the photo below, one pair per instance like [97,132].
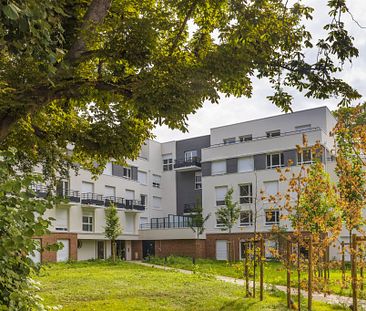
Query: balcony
[70,195]
[134,205]
[41,191]
[91,198]
[117,201]
[185,165]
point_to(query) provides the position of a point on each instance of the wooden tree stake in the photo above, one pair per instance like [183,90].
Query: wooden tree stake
[262,254]
[354,272]
[310,275]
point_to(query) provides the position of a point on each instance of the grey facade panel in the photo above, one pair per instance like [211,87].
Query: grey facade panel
[133,172]
[117,170]
[232,165]
[206,168]
[260,161]
[186,194]
[196,143]
[290,155]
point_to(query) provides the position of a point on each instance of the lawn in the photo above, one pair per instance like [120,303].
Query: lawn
[274,272]
[127,286]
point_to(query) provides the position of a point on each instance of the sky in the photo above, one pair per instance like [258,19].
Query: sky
[233,110]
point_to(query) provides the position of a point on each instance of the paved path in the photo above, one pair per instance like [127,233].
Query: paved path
[331,299]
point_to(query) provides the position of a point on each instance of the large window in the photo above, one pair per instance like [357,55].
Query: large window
[190,155]
[167,162]
[142,177]
[246,218]
[218,167]
[156,202]
[198,180]
[274,133]
[220,195]
[245,164]
[156,181]
[230,140]
[87,187]
[127,172]
[143,198]
[305,156]
[275,160]
[87,222]
[62,219]
[271,188]
[246,193]
[219,224]
[110,191]
[272,217]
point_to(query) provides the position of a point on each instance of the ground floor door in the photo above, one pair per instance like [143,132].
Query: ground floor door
[128,248]
[36,257]
[148,248]
[63,254]
[221,250]
[121,249]
[100,250]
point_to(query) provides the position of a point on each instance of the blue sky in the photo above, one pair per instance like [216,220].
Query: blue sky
[233,110]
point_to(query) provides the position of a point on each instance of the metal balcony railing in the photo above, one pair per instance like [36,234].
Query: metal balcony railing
[92,198]
[195,161]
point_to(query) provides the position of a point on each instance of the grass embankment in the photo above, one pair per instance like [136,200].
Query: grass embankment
[126,286]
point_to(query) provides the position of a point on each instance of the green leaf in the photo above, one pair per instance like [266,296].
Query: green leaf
[11,11]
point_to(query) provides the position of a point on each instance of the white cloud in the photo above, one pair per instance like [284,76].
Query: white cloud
[233,110]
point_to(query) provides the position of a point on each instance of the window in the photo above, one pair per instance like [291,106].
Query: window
[275,133]
[144,220]
[156,181]
[130,195]
[271,187]
[246,193]
[63,188]
[142,177]
[167,162]
[246,218]
[110,191]
[219,224]
[127,172]
[108,169]
[198,180]
[156,202]
[303,128]
[272,217]
[220,195]
[275,160]
[245,164]
[218,167]
[190,155]
[62,219]
[246,138]
[230,140]
[143,199]
[130,222]
[87,187]
[88,222]
[305,157]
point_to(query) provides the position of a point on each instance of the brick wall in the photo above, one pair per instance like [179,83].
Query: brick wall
[51,256]
[190,248]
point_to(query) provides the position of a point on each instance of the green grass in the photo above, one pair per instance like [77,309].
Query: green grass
[274,272]
[127,286]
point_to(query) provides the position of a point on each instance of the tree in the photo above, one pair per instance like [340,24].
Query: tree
[100,74]
[228,214]
[20,220]
[113,227]
[197,223]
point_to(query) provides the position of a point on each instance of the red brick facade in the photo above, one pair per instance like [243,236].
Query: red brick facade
[51,256]
[190,248]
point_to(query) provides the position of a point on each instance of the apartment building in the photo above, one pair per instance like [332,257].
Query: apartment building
[156,193]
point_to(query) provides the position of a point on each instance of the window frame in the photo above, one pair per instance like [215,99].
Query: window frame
[300,157]
[249,197]
[250,219]
[277,217]
[221,202]
[87,223]
[126,172]
[273,133]
[197,184]
[270,157]
[189,155]
[245,138]
[154,183]
[221,172]
[167,162]
[229,141]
